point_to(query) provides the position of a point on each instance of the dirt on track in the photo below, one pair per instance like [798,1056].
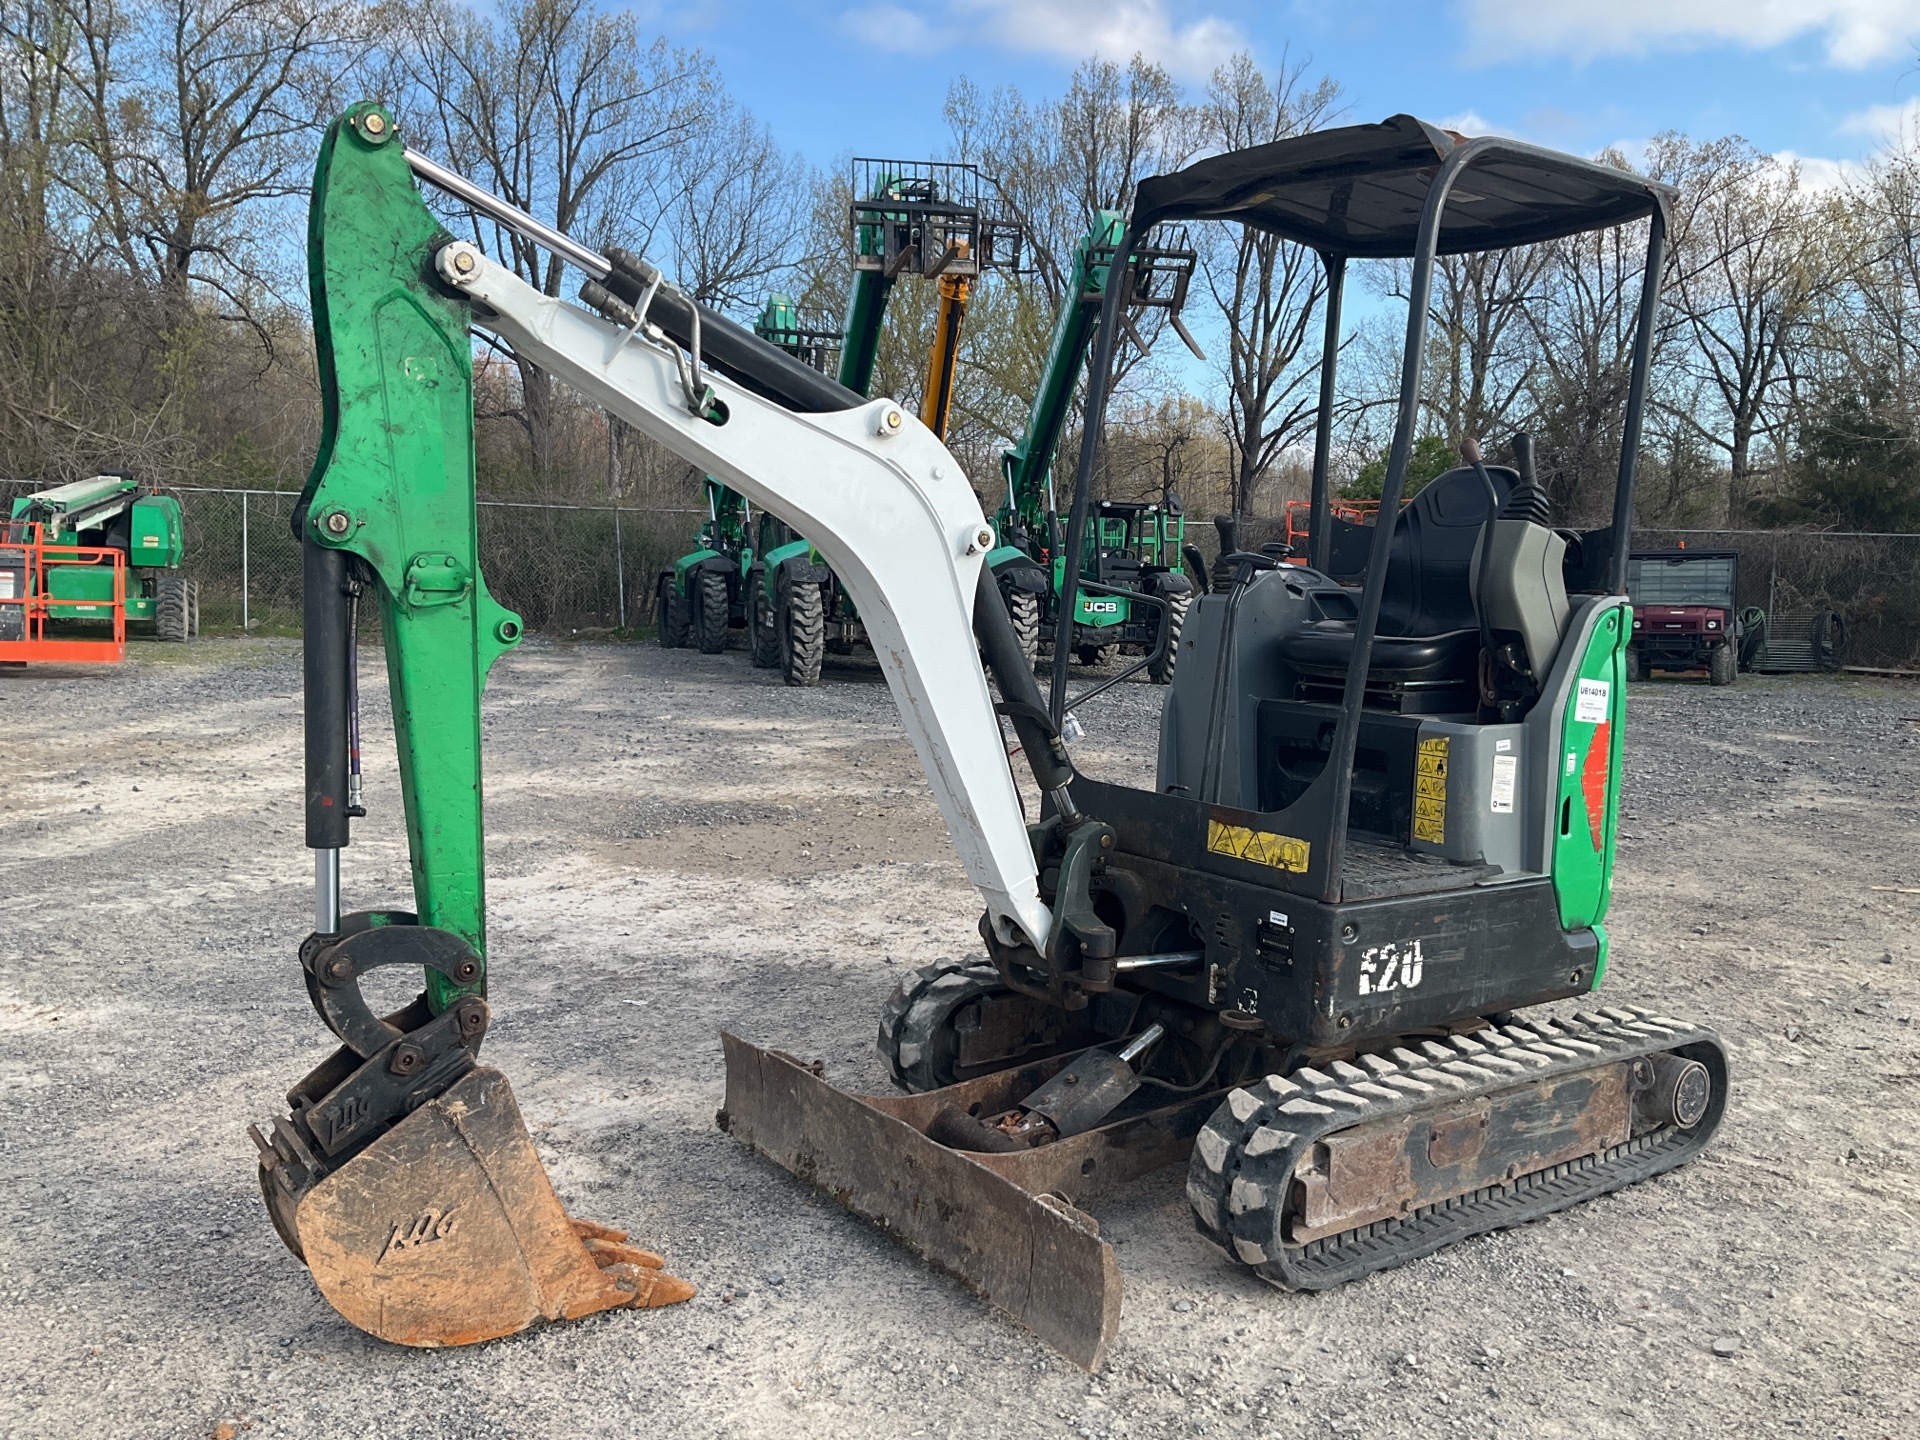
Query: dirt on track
[678,844]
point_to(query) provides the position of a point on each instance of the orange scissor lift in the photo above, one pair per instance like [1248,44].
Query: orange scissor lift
[30,599]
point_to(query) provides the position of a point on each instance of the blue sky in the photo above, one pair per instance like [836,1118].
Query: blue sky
[1823,80]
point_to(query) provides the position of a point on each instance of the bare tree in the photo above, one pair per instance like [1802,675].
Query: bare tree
[1745,277]
[186,113]
[565,111]
[737,212]
[1268,289]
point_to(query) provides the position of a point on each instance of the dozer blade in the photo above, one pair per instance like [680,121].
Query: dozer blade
[1005,1224]
[446,1231]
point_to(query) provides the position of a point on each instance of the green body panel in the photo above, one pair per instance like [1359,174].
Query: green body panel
[1587,798]
[723,532]
[1095,610]
[88,583]
[685,564]
[397,461]
[779,556]
[154,537]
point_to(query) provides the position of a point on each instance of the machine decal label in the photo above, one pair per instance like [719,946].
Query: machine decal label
[1593,785]
[6,584]
[1430,790]
[421,1229]
[1394,966]
[1505,769]
[1262,847]
[1590,708]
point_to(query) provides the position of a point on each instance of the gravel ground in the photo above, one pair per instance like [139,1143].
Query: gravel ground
[153,891]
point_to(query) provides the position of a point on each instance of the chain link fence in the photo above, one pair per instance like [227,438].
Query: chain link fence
[559,567]
[1829,598]
[1841,598]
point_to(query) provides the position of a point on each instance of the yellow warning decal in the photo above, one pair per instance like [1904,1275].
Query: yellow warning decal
[1430,790]
[1262,847]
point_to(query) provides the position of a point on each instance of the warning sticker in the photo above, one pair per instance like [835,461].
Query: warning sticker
[1430,790]
[1262,847]
[1590,708]
[1505,769]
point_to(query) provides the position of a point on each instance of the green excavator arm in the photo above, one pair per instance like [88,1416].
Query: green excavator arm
[403,1175]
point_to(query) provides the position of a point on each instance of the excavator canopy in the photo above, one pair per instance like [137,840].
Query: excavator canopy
[1357,191]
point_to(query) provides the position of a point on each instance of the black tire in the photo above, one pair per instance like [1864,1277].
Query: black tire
[802,625]
[1637,666]
[193,608]
[1160,671]
[1722,664]
[763,638]
[710,606]
[670,614]
[172,609]
[1023,608]
[1097,657]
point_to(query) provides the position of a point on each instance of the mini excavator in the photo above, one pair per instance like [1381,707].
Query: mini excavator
[1304,964]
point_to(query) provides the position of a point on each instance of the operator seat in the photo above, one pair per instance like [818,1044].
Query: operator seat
[1429,634]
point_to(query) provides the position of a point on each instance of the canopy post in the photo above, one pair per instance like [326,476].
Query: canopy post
[1319,526]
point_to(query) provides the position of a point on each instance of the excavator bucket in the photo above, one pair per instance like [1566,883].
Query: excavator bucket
[1007,1225]
[446,1230]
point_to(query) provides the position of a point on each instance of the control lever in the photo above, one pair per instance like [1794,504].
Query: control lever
[1470,452]
[1073,1101]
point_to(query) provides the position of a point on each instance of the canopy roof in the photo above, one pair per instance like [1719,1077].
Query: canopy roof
[1358,191]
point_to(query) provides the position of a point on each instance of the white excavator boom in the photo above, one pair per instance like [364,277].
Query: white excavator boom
[879,497]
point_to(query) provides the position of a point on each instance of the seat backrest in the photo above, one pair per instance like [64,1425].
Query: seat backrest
[1428,589]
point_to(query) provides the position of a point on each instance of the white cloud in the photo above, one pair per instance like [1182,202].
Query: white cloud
[889,27]
[1470,123]
[1883,123]
[1855,33]
[1818,173]
[1070,29]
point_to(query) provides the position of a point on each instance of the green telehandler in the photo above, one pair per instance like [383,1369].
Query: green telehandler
[920,219]
[710,592]
[1131,561]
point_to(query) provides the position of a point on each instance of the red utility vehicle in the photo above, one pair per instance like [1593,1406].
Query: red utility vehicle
[1683,613]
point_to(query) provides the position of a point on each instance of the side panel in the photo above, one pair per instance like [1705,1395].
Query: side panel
[1587,797]
[153,539]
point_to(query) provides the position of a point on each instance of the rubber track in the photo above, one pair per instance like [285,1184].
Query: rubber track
[921,1004]
[1240,1179]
